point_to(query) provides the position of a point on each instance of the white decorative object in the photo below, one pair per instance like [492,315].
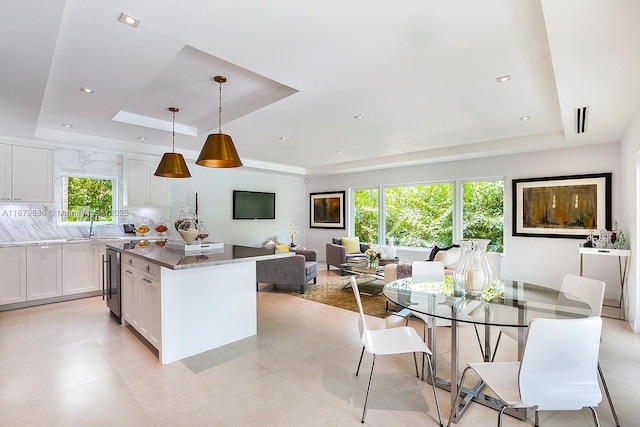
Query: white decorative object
[391,249]
[202,247]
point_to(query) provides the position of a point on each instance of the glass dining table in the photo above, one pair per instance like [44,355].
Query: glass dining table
[506,303]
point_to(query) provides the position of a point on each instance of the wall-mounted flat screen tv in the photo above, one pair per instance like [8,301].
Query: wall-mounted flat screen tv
[254,205]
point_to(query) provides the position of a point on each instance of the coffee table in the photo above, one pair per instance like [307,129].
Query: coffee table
[366,278]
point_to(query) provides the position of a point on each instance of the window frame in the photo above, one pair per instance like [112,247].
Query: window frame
[59,199]
[457,209]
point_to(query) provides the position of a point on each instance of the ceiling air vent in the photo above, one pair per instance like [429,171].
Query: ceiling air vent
[581,119]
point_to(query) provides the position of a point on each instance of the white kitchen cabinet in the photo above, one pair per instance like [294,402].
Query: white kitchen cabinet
[31,174]
[141,297]
[127,302]
[13,265]
[5,173]
[143,187]
[79,268]
[44,272]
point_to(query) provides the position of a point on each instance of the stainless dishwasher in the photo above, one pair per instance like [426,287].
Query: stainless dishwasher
[111,281]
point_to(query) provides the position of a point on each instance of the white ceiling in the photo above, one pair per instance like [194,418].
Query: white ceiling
[419,69]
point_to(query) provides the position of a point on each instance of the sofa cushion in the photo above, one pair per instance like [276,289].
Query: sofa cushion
[351,244]
[449,258]
[336,240]
[310,267]
[282,248]
[436,249]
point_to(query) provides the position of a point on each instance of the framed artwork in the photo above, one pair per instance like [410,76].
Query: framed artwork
[327,210]
[562,206]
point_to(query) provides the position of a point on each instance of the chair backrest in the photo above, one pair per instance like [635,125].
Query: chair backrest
[427,268]
[559,364]
[362,323]
[588,290]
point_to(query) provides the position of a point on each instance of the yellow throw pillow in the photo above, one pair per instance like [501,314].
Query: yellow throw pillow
[351,244]
[283,247]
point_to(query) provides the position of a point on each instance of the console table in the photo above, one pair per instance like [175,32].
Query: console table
[623,268]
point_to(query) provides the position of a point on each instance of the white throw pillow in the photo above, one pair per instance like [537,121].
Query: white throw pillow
[448,258]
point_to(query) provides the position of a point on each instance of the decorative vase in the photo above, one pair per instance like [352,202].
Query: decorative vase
[373,263]
[188,230]
[203,233]
[391,250]
[473,272]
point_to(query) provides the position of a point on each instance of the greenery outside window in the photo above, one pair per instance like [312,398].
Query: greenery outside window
[483,212]
[82,196]
[367,214]
[431,214]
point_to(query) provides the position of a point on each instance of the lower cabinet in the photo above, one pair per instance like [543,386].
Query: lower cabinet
[13,264]
[141,298]
[44,272]
[79,268]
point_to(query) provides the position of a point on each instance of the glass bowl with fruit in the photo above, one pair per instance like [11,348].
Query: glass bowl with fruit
[142,230]
[161,229]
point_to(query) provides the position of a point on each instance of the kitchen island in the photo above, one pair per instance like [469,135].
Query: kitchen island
[188,303]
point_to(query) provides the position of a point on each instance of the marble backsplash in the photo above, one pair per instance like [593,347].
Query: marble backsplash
[26,222]
[34,222]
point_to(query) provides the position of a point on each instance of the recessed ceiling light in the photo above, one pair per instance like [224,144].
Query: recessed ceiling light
[525,117]
[285,162]
[142,138]
[86,90]
[409,139]
[129,20]
[359,117]
[283,138]
[67,125]
[338,151]
[504,78]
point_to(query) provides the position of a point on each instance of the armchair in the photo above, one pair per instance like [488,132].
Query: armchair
[297,270]
[337,253]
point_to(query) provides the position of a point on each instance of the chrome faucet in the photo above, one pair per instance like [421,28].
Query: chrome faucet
[91,217]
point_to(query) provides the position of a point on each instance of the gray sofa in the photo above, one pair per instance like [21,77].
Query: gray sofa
[337,254]
[297,270]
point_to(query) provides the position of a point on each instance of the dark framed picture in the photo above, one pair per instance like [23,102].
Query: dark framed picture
[327,210]
[562,206]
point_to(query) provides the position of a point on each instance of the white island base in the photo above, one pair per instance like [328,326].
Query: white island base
[196,309]
[205,308]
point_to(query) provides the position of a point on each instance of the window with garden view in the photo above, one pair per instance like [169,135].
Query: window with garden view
[81,196]
[426,215]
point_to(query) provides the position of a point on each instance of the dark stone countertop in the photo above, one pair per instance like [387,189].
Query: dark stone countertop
[175,259]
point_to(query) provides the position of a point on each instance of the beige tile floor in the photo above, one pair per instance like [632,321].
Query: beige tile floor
[70,364]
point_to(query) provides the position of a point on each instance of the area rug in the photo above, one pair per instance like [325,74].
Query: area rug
[332,293]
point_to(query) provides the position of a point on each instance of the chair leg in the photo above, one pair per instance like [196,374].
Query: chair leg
[606,391]
[360,361]
[500,412]
[433,384]
[364,409]
[495,348]
[536,421]
[415,362]
[595,416]
[455,402]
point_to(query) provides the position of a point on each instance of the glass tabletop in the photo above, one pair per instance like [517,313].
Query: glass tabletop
[504,303]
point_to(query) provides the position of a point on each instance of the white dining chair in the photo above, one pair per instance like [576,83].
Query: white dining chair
[558,371]
[590,291]
[399,340]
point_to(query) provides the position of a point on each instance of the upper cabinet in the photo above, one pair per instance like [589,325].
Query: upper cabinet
[5,175]
[27,174]
[143,187]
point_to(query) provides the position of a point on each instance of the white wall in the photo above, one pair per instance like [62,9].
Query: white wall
[534,259]
[630,166]
[215,188]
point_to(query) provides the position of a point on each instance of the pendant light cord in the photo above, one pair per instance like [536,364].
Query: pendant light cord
[173,143]
[220,109]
